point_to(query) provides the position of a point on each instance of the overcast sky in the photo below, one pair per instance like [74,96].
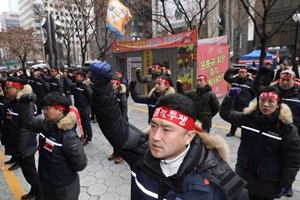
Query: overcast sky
[4,5]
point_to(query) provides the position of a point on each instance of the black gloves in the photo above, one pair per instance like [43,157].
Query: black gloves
[26,98]
[132,84]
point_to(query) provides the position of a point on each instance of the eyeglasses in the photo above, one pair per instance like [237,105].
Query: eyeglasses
[7,88]
[46,108]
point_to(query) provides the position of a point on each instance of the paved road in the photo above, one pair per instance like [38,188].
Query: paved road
[104,180]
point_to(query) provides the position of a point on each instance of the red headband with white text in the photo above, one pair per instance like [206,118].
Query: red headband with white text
[271,95]
[166,82]
[287,75]
[176,117]
[202,78]
[116,82]
[14,84]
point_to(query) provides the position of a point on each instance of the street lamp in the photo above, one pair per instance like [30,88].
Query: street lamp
[296,18]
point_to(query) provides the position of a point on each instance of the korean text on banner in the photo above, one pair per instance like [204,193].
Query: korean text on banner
[117,17]
[212,62]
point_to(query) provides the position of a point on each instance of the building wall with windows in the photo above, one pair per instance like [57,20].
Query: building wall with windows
[8,20]
[284,39]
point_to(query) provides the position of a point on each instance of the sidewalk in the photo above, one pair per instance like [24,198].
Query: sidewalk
[104,180]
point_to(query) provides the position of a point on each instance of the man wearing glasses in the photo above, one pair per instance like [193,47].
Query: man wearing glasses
[19,142]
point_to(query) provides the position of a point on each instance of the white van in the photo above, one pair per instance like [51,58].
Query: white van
[42,65]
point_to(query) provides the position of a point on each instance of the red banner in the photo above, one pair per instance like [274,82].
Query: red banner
[212,62]
[175,40]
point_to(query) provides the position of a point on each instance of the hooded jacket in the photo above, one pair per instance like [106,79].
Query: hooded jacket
[291,97]
[151,99]
[203,173]
[205,101]
[269,152]
[246,94]
[15,137]
[61,153]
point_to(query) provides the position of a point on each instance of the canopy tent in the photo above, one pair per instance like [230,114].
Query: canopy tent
[254,56]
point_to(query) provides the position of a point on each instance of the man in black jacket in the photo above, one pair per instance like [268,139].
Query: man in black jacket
[205,101]
[18,140]
[172,160]
[241,80]
[83,100]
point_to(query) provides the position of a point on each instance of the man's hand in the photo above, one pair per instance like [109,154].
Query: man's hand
[101,72]
[132,84]
[179,81]
[26,98]
[234,91]
[138,69]
[232,68]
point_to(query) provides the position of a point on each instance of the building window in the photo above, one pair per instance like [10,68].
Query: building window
[51,12]
[46,4]
[51,5]
[46,12]
[37,28]
[56,13]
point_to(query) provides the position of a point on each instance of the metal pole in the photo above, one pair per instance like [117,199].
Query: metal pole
[295,48]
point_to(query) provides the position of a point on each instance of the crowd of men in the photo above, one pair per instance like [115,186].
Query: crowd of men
[165,161]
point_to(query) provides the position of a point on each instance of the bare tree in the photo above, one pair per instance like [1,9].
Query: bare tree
[80,18]
[190,14]
[259,12]
[20,42]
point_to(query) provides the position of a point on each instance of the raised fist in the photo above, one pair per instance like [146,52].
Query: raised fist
[234,91]
[132,84]
[101,72]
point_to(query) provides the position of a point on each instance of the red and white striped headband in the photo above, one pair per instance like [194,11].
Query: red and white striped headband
[200,78]
[243,70]
[287,75]
[116,82]
[14,84]
[166,82]
[176,117]
[271,95]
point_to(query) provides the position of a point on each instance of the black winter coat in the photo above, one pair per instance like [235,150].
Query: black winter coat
[269,152]
[148,180]
[246,94]
[205,102]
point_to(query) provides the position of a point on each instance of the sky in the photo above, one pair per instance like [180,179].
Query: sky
[4,5]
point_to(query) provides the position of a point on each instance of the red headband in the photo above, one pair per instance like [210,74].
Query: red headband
[202,78]
[14,84]
[157,66]
[243,70]
[116,82]
[163,81]
[75,111]
[287,75]
[271,95]
[176,117]
[120,73]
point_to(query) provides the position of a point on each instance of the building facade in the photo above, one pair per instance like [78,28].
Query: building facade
[9,20]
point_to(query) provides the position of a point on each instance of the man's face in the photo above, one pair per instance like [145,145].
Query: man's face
[53,72]
[155,69]
[242,74]
[114,86]
[78,78]
[52,114]
[11,92]
[168,140]
[201,83]
[267,106]
[118,75]
[160,87]
[286,82]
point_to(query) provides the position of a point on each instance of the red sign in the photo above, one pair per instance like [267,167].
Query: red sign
[175,40]
[212,62]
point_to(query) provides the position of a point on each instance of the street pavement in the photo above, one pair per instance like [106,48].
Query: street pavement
[104,180]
